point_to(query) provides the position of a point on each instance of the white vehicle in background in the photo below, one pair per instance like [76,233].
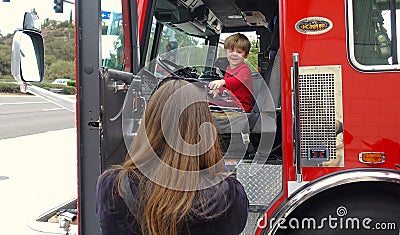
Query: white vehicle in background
[61,81]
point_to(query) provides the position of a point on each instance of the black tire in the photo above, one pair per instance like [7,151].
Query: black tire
[348,206]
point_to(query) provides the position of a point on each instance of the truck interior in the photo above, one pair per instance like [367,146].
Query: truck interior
[210,20]
[207,23]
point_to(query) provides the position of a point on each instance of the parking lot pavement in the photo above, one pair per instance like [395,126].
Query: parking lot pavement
[37,172]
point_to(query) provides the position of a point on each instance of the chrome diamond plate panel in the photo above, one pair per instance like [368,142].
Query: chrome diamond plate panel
[251,224]
[262,183]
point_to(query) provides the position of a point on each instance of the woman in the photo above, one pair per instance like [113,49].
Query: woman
[173,180]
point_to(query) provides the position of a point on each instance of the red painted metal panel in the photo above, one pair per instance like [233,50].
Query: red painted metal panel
[126,19]
[142,10]
[127,27]
[369,99]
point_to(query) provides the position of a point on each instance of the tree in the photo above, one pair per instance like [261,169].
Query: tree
[5,58]
[59,49]
[61,69]
[253,54]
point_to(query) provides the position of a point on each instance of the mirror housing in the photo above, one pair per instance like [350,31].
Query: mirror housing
[27,58]
[31,22]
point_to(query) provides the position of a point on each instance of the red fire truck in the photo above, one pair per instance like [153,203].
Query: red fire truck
[321,151]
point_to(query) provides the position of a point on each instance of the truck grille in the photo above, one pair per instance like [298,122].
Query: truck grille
[320,107]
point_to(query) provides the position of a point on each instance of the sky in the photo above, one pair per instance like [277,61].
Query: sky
[12,13]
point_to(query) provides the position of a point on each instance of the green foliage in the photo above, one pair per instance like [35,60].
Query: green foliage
[59,46]
[44,85]
[8,87]
[60,43]
[69,90]
[253,55]
[71,83]
[185,40]
[7,78]
[61,69]
[5,58]
[48,60]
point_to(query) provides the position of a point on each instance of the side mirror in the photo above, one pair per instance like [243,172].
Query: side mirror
[27,58]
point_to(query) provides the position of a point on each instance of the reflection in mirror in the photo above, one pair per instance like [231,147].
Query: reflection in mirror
[29,63]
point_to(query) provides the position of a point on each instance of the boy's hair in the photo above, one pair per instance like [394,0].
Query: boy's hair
[237,40]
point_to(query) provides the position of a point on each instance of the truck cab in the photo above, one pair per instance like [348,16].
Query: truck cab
[324,76]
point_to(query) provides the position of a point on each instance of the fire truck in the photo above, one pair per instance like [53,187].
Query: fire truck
[320,151]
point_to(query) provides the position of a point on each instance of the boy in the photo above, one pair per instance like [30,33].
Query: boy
[237,77]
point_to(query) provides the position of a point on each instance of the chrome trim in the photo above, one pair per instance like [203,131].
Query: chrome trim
[337,179]
[60,100]
[295,57]
[320,112]
[296,126]
[373,163]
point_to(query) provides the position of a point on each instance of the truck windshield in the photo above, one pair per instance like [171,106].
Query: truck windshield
[170,40]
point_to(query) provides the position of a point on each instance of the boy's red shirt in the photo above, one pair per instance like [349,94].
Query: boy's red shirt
[240,82]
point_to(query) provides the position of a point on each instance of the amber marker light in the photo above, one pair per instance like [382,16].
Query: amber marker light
[371,157]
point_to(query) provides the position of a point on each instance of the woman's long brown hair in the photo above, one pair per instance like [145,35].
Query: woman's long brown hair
[165,209]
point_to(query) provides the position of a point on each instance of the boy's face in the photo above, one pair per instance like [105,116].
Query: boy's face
[235,56]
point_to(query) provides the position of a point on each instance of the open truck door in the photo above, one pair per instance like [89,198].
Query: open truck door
[103,80]
[101,93]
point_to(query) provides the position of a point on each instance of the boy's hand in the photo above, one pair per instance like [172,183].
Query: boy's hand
[216,84]
[213,93]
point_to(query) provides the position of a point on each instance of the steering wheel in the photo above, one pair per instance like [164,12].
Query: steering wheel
[176,69]
[221,101]
[168,65]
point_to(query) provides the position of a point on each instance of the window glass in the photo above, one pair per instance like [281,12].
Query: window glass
[373,34]
[175,46]
[112,35]
[171,40]
[151,40]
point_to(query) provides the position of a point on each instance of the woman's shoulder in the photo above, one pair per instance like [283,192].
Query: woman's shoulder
[230,182]
[111,177]
[223,210]
[236,188]
[233,188]
[108,177]
[222,197]
[106,188]
[236,200]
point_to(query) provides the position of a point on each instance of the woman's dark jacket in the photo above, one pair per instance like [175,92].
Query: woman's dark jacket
[226,209]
